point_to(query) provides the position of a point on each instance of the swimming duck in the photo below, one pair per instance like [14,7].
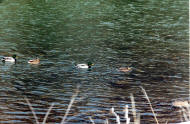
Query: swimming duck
[85,65]
[9,59]
[34,61]
[181,103]
[125,69]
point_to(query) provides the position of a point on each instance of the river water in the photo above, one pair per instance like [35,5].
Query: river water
[149,36]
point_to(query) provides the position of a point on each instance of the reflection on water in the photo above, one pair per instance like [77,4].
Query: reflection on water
[149,36]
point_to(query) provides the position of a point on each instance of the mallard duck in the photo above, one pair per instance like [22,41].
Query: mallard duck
[85,65]
[9,59]
[181,103]
[34,61]
[125,69]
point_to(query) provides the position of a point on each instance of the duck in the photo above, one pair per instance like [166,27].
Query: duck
[88,65]
[181,103]
[34,61]
[9,59]
[125,69]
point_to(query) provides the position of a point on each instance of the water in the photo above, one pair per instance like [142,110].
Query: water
[149,36]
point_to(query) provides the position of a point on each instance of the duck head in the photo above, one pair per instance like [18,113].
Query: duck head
[90,64]
[14,56]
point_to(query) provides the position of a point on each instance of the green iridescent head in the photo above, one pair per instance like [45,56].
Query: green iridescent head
[90,64]
[14,56]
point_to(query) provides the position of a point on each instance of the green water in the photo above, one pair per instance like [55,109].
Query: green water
[149,36]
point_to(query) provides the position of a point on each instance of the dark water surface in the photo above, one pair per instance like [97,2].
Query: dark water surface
[150,36]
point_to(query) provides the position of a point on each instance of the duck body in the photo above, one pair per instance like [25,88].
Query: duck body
[9,59]
[125,69]
[34,61]
[84,65]
[181,103]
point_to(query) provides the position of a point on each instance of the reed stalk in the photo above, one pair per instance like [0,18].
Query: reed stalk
[135,115]
[31,108]
[106,121]
[133,108]
[127,114]
[69,107]
[115,114]
[91,120]
[150,104]
[47,113]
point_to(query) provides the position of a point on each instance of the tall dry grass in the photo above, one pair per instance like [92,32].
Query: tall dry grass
[185,111]
[50,108]
[143,90]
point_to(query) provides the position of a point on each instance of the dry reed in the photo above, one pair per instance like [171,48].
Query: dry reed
[50,108]
[33,112]
[69,107]
[91,120]
[150,104]
[136,120]
[185,111]
[47,113]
